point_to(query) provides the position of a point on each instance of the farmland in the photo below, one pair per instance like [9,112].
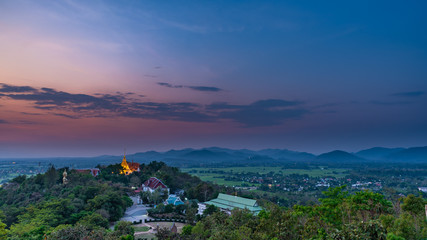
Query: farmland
[223,176]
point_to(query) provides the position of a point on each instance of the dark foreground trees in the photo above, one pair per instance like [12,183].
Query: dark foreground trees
[42,206]
[359,216]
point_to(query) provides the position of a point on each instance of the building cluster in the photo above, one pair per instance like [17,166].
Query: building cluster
[224,202]
[366,185]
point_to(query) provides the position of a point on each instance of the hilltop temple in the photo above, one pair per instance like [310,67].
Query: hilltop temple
[129,167]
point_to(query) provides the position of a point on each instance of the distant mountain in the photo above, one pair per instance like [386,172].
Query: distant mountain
[215,156]
[339,156]
[207,154]
[287,154]
[377,153]
[415,154]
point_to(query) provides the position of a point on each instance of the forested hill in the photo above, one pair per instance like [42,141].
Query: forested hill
[41,206]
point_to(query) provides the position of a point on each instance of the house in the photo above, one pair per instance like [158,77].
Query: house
[92,171]
[154,183]
[423,189]
[201,208]
[173,199]
[228,202]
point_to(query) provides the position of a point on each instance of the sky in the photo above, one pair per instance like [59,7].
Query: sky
[88,78]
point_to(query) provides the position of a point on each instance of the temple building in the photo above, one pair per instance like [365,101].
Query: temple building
[154,183]
[92,171]
[228,202]
[129,167]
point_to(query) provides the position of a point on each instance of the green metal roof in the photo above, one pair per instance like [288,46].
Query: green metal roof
[230,202]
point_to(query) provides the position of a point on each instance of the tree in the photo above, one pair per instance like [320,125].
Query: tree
[169,208]
[369,205]
[210,210]
[164,233]
[124,228]
[3,231]
[19,179]
[190,215]
[94,221]
[186,230]
[135,181]
[204,191]
[156,196]
[2,216]
[68,232]
[414,205]
[145,196]
[51,176]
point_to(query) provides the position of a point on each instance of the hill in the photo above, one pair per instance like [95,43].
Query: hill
[215,156]
[377,153]
[415,154]
[339,157]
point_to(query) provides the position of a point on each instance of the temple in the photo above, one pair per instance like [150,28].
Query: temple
[129,167]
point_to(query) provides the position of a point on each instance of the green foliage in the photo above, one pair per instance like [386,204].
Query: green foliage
[164,233]
[123,228]
[210,209]
[191,215]
[414,205]
[3,231]
[38,206]
[363,215]
[186,230]
[391,236]
[2,216]
[169,208]
[41,207]
[19,179]
[112,202]
[94,221]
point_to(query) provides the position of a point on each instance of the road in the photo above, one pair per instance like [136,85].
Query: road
[136,212]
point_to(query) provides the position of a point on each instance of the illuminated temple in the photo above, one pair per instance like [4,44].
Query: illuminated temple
[129,167]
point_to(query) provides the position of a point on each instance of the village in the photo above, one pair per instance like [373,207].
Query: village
[155,207]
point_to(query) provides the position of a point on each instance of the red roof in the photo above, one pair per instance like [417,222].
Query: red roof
[154,183]
[93,171]
[133,166]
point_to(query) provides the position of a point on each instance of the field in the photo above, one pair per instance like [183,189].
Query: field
[141,229]
[219,175]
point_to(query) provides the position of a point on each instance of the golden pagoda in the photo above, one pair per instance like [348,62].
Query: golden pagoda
[128,168]
[64,177]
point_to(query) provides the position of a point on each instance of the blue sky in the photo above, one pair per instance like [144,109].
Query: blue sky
[310,76]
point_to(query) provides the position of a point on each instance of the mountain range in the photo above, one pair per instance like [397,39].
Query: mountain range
[215,156]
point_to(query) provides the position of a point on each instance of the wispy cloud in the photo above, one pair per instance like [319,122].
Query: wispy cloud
[268,112]
[205,89]
[196,88]
[8,88]
[408,94]
[3,121]
[390,103]
[164,84]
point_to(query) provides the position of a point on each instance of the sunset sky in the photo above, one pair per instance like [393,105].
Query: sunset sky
[87,78]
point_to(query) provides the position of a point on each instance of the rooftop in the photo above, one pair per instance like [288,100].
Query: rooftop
[230,202]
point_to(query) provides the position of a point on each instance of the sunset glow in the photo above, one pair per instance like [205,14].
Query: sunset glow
[83,78]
